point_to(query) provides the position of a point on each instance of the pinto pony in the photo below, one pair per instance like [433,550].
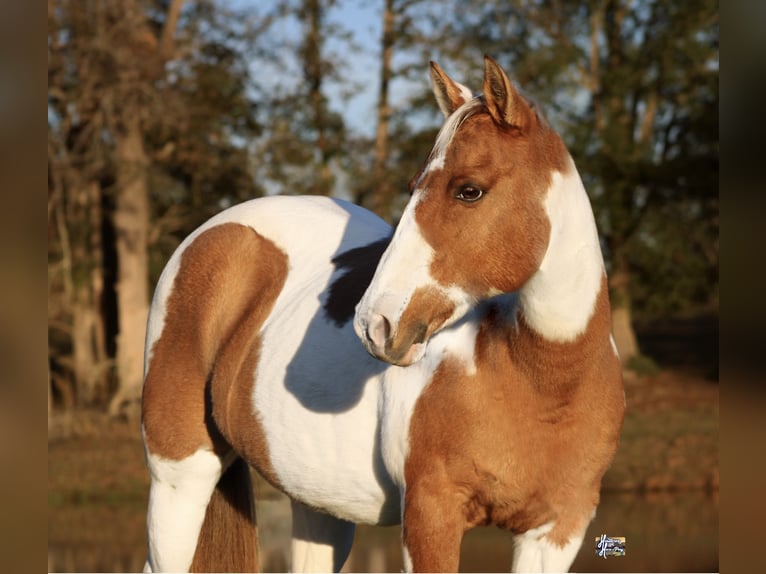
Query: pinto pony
[498,395]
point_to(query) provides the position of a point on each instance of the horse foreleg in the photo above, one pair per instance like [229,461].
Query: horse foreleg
[320,542]
[432,530]
[534,551]
[178,497]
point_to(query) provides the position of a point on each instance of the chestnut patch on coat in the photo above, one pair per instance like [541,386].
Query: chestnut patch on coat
[527,438]
[346,291]
[198,388]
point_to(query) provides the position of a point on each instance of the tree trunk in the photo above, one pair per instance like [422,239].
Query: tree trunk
[88,342]
[85,364]
[381,199]
[132,214]
[605,22]
[313,67]
[622,317]
[131,222]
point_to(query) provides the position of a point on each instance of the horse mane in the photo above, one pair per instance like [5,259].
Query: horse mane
[449,129]
[469,109]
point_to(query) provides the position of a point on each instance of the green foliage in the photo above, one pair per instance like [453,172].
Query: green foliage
[200,143]
[305,141]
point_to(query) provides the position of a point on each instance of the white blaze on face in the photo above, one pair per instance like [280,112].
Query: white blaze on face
[403,268]
[406,265]
[448,131]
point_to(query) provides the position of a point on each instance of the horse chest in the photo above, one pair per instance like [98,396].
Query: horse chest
[506,453]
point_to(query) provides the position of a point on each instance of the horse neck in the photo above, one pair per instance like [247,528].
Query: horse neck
[560,299]
[554,364]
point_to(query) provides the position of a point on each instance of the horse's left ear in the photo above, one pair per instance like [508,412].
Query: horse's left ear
[505,104]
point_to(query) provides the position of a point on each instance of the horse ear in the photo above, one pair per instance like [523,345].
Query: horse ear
[449,94]
[505,104]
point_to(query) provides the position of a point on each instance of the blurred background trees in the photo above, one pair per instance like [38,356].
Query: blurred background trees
[163,112]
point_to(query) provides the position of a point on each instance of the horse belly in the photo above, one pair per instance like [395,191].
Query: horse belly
[316,393]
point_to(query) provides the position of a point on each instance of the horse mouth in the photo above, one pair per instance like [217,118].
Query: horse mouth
[410,356]
[400,351]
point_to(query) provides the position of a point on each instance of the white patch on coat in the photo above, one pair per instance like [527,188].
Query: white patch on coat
[452,124]
[527,549]
[560,298]
[406,559]
[316,390]
[312,217]
[320,542]
[559,558]
[178,497]
[404,266]
[534,552]
[449,129]
[540,555]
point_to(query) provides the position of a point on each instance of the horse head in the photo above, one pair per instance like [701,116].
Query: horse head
[476,224]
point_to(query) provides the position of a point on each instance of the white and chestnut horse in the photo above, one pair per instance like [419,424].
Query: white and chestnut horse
[498,399]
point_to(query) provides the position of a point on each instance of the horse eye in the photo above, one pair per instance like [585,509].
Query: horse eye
[469,193]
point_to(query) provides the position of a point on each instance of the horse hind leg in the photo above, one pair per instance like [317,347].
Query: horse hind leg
[189,465]
[320,542]
[178,498]
[197,508]
[224,283]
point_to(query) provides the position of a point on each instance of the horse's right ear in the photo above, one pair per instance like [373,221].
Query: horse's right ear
[449,94]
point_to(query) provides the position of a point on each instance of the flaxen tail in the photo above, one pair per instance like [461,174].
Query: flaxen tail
[228,541]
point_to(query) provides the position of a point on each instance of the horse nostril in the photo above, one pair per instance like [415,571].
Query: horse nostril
[378,331]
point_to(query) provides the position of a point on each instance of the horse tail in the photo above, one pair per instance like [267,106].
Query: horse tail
[228,540]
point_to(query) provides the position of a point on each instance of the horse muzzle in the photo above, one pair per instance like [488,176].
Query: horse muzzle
[400,347]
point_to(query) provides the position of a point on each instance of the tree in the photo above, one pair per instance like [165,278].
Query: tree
[399,34]
[404,46]
[305,140]
[149,114]
[383,192]
[139,58]
[652,67]
[77,162]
